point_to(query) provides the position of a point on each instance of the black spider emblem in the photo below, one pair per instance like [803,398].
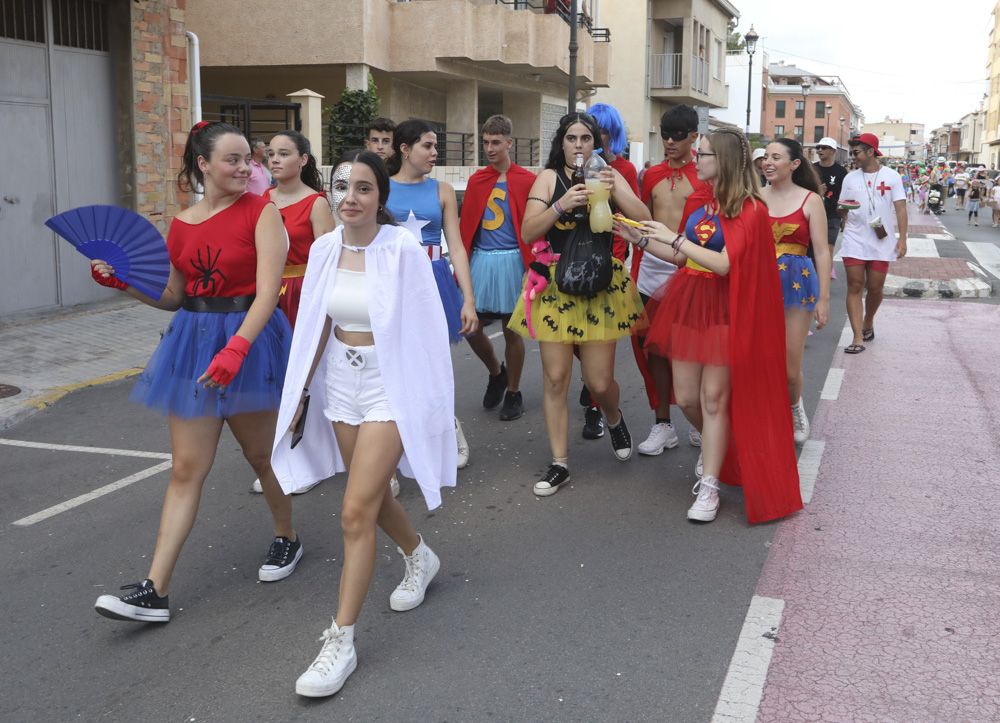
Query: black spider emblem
[208,267]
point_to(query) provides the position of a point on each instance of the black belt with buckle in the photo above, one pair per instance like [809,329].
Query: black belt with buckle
[218,304]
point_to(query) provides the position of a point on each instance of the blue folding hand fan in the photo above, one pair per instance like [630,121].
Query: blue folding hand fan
[128,242]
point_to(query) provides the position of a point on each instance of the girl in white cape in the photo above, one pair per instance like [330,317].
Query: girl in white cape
[370,354]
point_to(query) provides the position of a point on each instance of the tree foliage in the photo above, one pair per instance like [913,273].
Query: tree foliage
[735,40]
[349,117]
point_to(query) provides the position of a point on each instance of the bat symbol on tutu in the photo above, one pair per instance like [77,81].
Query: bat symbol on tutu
[623,325]
[575,331]
[593,318]
[566,307]
[549,299]
[550,322]
[609,311]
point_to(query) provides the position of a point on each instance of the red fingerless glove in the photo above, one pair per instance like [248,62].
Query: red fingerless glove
[227,362]
[112,282]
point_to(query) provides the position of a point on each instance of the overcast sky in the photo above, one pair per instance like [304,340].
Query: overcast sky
[922,61]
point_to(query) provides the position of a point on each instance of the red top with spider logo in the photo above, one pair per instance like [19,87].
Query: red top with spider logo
[218,256]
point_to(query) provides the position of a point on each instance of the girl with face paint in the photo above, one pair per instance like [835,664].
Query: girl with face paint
[370,355]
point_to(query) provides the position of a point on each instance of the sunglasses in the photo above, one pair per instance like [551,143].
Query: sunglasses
[858,151]
[823,148]
[675,136]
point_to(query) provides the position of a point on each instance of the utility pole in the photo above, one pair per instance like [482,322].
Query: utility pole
[573,47]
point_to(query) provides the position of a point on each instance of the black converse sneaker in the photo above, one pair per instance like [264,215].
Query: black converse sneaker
[593,423]
[621,440]
[495,388]
[513,407]
[555,477]
[282,557]
[142,604]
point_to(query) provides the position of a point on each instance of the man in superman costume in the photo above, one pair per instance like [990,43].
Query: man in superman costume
[490,224]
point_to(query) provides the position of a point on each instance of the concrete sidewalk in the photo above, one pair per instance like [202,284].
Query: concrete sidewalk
[50,355]
[889,578]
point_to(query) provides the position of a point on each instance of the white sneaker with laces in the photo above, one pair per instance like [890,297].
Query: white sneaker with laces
[694,437]
[800,422]
[699,467]
[255,487]
[662,436]
[706,504]
[463,445]
[421,567]
[336,661]
[394,485]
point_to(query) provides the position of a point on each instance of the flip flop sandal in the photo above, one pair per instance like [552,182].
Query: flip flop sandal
[867,334]
[854,349]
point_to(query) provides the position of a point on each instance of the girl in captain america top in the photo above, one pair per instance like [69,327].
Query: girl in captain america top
[798,222]
[222,357]
[428,208]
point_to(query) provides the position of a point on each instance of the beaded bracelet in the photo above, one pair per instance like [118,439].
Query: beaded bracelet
[558,207]
[676,244]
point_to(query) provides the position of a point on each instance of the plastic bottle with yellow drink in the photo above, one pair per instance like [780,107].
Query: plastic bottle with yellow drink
[600,209]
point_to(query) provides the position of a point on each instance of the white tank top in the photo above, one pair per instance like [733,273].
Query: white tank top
[347,303]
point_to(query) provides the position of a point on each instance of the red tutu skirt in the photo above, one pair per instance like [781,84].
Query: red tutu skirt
[288,298]
[690,321]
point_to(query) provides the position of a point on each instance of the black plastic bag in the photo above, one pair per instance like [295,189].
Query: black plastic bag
[584,267]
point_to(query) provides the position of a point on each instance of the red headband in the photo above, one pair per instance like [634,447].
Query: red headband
[199,125]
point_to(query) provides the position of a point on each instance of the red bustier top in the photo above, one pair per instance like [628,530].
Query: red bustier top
[300,231]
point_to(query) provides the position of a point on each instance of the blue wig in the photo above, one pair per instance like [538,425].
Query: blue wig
[610,120]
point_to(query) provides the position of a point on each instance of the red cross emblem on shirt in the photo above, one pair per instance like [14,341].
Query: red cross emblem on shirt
[882,188]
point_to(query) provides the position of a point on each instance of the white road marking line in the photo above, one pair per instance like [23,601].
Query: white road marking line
[921,248]
[831,388]
[978,269]
[847,335]
[93,495]
[744,685]
[496,334]
[809,461]
[987,254]
[89,450]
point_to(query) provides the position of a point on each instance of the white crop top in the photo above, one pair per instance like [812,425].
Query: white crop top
[347,303]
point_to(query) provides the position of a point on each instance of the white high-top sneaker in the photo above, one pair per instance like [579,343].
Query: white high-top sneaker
[706,505]
[800,422]
[336,661]
[421,567]
[463,445]
[699,467]
[662,436]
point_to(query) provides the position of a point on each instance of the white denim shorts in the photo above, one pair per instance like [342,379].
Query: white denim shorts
[354,389]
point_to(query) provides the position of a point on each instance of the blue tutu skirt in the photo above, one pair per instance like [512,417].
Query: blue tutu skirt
[451,298]
[497,277]
[169,382]
[799,282]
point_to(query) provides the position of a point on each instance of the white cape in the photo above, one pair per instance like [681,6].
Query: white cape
[411,339]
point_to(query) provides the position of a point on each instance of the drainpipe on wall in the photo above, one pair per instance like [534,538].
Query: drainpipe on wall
[194,75]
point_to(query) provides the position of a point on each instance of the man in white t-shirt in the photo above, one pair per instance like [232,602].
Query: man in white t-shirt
[995,198]
[961,186]
[874,201]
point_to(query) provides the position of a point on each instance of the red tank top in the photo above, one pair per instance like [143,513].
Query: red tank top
[793,228]
[218,256]
[300,231]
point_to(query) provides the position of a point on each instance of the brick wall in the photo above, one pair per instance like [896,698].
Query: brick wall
[161,105]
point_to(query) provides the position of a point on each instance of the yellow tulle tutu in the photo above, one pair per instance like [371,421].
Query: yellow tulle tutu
[614,313]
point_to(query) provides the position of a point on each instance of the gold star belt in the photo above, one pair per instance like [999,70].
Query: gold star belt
[792,249]
[294,272]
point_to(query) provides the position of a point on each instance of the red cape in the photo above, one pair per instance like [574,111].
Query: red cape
[628,172]
[761,455]
[477,193]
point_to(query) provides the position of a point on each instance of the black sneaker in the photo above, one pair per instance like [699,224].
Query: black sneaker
[585,400]
[555,477]
[281,560]
[593,423]
[621,440]
[513,407]
[142,605]
[495,388]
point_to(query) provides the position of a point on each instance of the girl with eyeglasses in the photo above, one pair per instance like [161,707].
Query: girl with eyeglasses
[720,323]
[563,321]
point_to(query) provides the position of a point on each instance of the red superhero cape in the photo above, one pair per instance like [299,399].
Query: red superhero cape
[627,170]
[761,455]
[652,177]
[477,193]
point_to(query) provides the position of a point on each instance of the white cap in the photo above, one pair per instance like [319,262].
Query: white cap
[758,153]
[829,142]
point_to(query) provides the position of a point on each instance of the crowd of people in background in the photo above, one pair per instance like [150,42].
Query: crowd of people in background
[348,295]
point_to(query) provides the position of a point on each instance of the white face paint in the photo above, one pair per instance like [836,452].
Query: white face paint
[339,184]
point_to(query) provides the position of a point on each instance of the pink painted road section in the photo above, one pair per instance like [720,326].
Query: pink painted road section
[891,576]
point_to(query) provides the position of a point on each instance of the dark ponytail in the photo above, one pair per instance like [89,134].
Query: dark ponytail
[374,162]
[407,133]
[310,174]
[805,175]
[200,142]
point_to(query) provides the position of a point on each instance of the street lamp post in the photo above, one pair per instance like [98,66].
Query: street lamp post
[806,87]
[750,39]
[840,137]
[573,47]
[828,109]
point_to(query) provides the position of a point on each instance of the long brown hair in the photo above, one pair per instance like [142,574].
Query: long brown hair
[736,180]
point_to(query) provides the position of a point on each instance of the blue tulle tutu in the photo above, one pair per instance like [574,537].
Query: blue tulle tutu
[451,298]
[799,282]
[168,384]
[497,277]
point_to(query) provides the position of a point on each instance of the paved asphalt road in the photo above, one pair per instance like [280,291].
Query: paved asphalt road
[600,603]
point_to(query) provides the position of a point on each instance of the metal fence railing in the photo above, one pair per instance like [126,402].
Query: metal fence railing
[699,74]
[525,151]
[665,70]
[256,117]
[563,9]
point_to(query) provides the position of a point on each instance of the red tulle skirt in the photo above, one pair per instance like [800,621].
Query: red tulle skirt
[288,299]
[690,321]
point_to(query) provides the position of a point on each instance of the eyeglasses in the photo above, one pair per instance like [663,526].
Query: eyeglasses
[675,136]
[698,155]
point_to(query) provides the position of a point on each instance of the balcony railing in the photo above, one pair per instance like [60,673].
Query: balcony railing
[665,70]
[699,74]
[525,152]
[562,8]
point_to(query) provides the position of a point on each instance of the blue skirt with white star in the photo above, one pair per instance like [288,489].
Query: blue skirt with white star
[799,282]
